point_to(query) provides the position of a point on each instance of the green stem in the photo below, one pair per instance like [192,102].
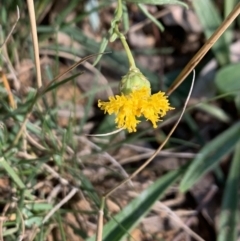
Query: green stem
[117,19]
[119,10]
[131,60]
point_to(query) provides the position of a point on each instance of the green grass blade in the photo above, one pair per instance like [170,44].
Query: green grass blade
[103,47]
[229,216]
[129,217]
[151,17]
[210,155]
[210,20]
[159,2]
[41,7]
[215,111]
[65,12]
[12,173]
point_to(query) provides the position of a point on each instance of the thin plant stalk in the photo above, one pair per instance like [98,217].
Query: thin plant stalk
[100,220]
[131,60]
[35,41]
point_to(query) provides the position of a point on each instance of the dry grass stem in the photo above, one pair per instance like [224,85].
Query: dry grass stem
[139,157]
[7,87]
[178,221]
[105,154]
[205,48]
[10,68]
[22,235]
[35,41]
[21,129]
[106,134]
[99,226]
[33,142]
[63,201]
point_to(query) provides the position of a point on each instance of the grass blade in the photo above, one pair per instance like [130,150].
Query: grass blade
[215,111]
[210,155]
[159,2]
[12,173]
[103,47]
[230,213]
[151,17]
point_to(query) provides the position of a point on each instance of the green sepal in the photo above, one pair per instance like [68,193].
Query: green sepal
[132,81]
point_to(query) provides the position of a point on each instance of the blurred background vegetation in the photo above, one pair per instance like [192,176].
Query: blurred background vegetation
[52,178]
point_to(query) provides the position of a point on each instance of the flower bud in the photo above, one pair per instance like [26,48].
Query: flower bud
[132,81]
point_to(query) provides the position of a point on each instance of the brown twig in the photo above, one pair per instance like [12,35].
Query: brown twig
[205,48]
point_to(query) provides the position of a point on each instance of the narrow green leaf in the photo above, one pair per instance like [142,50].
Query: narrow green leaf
[129,217]
[11,173]
[159,2]
[229,216]
[41,7]
[210,155]
[39,207]
[215,111]
[151,17]
[60,18]
[210,20]
[33,220]
[103,47]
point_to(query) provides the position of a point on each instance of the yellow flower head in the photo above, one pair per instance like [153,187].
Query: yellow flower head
[135,101]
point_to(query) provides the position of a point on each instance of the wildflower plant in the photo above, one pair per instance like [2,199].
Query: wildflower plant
[135,98]
[34,147]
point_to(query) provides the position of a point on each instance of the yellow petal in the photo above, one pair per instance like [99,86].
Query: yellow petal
[138,103]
